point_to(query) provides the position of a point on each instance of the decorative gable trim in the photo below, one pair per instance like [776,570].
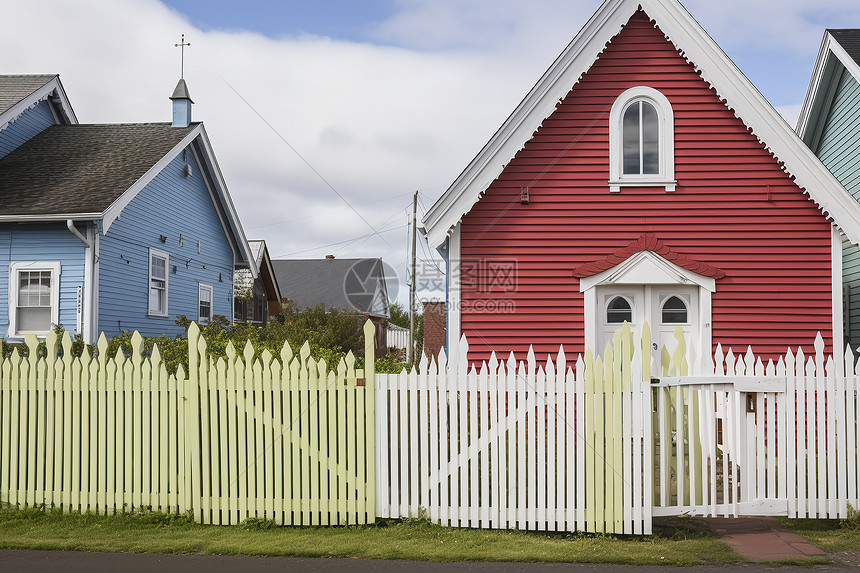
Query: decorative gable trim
[52,89]
[716,68]
[647,268]
[647,243]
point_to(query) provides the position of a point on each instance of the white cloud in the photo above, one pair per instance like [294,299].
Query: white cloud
[376,120]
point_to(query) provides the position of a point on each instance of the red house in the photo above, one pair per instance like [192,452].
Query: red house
[644,178]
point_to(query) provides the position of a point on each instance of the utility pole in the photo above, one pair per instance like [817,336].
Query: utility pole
[411,350]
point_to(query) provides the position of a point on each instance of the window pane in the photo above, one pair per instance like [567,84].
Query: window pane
[34,289]
[34,319]
[650,140]
[630,140]
[674,311]
[618,311]
[159,267]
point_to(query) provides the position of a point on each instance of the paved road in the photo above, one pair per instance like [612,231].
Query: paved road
[77,561]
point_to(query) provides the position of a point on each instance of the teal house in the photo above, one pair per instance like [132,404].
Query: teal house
[829,124]
[110,227]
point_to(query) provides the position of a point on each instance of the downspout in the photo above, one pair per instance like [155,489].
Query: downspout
[87,302]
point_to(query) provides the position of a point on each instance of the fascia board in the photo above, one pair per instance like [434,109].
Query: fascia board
[520,126]
[716,69]
[34,98]
[114,210]
[50,217]
[64,101]
[810,111]
[227,202]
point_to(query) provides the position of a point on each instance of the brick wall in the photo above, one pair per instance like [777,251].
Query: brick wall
[434,327]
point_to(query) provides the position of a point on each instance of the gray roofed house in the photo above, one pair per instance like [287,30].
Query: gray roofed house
[356,285]
[353,285]
[110,227]
[256,298]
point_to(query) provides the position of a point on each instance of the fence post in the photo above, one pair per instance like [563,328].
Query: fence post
[370,418]
[190,394]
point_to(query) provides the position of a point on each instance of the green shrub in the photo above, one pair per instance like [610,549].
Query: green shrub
[330,335]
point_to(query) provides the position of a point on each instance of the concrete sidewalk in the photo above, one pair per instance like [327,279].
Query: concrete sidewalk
[760,539]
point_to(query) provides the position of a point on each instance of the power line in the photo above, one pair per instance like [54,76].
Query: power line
[340,242]
[318,174]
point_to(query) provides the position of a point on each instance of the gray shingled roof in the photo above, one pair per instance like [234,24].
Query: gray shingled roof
[350,284]
[15,88]
[70,169]
[849,39]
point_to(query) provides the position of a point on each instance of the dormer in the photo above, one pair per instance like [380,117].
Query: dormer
[29,104]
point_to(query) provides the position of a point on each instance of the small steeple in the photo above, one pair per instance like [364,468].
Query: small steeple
[181,99]
[181,105]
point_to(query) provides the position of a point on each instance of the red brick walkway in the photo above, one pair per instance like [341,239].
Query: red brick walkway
[760,539]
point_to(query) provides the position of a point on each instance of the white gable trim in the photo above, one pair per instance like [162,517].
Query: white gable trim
[53,87]
[220,193]
[716,68]
[832,61]
[112,213]
[647,267]
[225,199]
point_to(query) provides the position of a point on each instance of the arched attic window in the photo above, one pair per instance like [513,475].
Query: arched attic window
[641,140]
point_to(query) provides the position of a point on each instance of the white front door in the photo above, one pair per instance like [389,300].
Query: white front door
[664,307]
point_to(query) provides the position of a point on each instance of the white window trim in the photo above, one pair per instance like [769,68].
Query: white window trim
[14,269]
[666,124]
[200,288]
[166,257]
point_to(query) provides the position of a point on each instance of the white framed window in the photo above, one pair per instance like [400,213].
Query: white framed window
[158,264]
[204,304]
[641,140]
[34,297]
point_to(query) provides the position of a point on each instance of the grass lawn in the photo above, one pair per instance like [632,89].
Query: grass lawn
[831,535]
[676,542]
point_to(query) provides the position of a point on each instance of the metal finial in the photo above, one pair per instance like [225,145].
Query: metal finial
[181,45]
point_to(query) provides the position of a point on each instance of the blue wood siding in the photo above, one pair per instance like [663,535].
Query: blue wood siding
[170,205]
[25,127]
[42,242]
[838,150]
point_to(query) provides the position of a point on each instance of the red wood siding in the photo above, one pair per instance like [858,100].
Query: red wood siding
[734,208]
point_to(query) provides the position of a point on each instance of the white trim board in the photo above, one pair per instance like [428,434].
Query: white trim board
[208,163]
[50,88]
[825,77]
[716,68]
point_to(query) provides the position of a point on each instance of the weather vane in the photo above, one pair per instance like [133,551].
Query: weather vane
[181,46]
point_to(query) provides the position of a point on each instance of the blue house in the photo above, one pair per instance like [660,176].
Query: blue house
[829,123]
[110,227]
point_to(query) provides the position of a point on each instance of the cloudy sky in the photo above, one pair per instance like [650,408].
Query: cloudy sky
[327,115]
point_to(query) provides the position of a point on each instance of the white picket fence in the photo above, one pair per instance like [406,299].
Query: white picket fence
[518,445]
[599,447]
[789,437]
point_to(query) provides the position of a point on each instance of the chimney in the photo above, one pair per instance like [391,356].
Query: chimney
[329,257]
[181,105]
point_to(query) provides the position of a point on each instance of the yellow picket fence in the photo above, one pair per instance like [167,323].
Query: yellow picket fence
[281,438]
